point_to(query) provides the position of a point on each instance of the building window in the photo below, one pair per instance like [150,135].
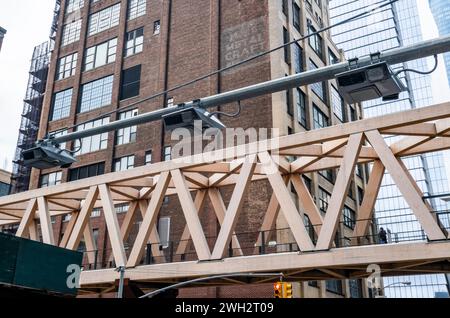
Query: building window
[349,218]
[100,55]
[301,108]
[317,88]
[148,157]
[170,102]
[122,208]
[290,106]
[67,66]
[4,189]
[324,199]
[96,94]
[308,183]
[67,218]
[124,163]
[327,174]
[73,5]
[338,104]
[167,153]
[315,41]
[127,135]
[96,213]
[136,8]
[287,49]
[353,114]
[48,180]
[164,231]
[360,195]
[59,134]
[296,16]
[131,82]
[332,58]
[355,286]
[298,58]
[87,171]
[61,104]
[135,42]
[71,32]
[334,286]
[284,7]
[92,143]
[157,27]
[319,118]
[104,19]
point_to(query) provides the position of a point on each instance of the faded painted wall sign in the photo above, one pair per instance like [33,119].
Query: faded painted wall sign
[243,41]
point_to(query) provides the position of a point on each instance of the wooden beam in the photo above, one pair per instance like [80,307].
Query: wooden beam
[191,215]
[27,218]
[68,231]
[340,191]
[112,225]
[149,220]
[220,210]
[234,208]
[83,218]
[370,197]
[46,222]
[184,240]
[404,184]
[288,207]
[307,203]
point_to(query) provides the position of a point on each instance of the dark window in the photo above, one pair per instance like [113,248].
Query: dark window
[284,4]
[355,286]
[313,283]
[290,131]
[287,55]
[334,286]
[290,106]
[301,108]
[349,218]
[360,195]
[318,88]
[4,189]
[351,192]
[327,174]
[308,183]
[296,18]
[315,41]
[353,114]
[333,59]
[324,199]
[298,58]
[87,171]
[131,82]
[338,104]
[319,118]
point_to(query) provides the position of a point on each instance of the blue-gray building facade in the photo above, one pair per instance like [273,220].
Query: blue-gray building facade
[441,13]
[393,26]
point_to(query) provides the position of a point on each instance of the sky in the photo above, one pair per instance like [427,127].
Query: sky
[28,24]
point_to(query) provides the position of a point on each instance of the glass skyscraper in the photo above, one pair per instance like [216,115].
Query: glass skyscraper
[441,13]
[393,26]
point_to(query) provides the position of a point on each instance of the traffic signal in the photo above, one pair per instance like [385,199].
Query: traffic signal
[287,290]
[278,290]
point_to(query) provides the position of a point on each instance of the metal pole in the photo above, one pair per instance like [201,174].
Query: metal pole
[121,270]
[395,56]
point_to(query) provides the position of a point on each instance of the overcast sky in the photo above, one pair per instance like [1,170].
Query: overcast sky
[28,24]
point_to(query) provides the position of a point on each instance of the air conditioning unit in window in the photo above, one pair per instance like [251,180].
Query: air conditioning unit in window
[370,82]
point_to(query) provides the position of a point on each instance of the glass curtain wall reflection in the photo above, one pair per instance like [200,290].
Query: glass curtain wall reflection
[390,27]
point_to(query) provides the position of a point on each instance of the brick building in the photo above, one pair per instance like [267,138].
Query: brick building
[110,54]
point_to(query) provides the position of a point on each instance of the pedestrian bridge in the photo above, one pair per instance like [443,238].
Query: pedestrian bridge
[302,250]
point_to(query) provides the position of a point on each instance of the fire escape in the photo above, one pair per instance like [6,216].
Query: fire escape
[33,102]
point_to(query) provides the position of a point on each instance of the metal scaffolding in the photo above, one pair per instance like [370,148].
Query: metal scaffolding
[32,107]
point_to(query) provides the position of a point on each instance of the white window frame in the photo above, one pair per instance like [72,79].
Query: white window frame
[124,163]
[92,143]
[104,19]
[127,135]
[67,66]
[94,59]
[71,32]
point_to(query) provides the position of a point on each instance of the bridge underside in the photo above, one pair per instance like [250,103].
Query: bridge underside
[201,177]
[341,263]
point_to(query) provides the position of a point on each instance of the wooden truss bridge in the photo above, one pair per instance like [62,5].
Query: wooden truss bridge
[344,146]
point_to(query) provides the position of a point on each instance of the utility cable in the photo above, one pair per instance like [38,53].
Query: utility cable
[436,64]
[368,12]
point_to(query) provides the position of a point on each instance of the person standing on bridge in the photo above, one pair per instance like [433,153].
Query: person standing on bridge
[382,235]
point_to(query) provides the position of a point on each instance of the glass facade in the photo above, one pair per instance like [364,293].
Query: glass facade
[391,27]
[441,13]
